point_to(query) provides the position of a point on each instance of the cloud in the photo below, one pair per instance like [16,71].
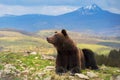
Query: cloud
[109,5]
[53,7]
[40,2]
[48,10]
[51,2]
[60,2]
[115,10]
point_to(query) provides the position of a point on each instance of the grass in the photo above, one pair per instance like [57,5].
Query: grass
[36,66]
[17,58]
[16,43]
[40,45]
[33,63]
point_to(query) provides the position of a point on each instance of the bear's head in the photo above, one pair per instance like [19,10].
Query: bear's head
[60,39]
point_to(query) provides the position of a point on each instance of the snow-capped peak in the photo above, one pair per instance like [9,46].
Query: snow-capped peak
[91,9]
[94,6]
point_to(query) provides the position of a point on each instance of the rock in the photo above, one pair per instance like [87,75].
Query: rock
[10,69]
[49,68]
[9,72]
[26,72]
[103,67]
[25,77]
[37,78]
[48,78]
[9,66]
[71,77]
[19,61]
[118,78]
[115,77]
[82,76]
[33,53]
[40,74]
[48,57]
[92,75]
[1,73]
[118,71]
[29,52]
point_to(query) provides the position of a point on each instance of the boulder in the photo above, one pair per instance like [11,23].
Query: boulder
[82,76]
[92,75]
[48,57]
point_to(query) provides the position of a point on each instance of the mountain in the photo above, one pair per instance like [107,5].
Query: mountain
[93,18]
[90,19]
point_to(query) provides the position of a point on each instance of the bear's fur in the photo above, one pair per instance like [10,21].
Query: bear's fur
[69,57]
[90,61]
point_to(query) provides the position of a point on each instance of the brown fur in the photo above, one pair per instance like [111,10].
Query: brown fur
[69,57]
[90,61]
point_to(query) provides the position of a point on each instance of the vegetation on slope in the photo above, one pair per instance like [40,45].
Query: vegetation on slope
[18,66]
[99,49]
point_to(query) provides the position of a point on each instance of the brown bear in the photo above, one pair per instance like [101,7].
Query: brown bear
[90,61]
[69,57]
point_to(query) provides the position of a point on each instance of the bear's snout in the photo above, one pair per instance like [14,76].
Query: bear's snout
[49,40]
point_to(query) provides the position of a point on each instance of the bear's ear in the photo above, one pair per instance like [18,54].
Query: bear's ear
[64,32]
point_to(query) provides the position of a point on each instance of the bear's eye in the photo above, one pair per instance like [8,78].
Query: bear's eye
[56,36]
[55,31]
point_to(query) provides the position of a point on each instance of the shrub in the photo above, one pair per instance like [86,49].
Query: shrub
[114,58]
[101,59]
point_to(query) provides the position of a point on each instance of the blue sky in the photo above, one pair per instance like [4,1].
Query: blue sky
[53,7]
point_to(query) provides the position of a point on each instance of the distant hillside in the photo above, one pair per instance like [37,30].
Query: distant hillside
[78,37]
[14,41]
[18,41]
[90,19]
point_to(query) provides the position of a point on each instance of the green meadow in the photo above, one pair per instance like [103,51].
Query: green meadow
[33,67]
[17,64]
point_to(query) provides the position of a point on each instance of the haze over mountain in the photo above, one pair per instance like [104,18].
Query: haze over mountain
[90,19]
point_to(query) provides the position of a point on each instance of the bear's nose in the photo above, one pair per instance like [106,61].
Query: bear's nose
[47,38]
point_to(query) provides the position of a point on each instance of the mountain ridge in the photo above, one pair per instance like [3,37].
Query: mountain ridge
[91,18]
